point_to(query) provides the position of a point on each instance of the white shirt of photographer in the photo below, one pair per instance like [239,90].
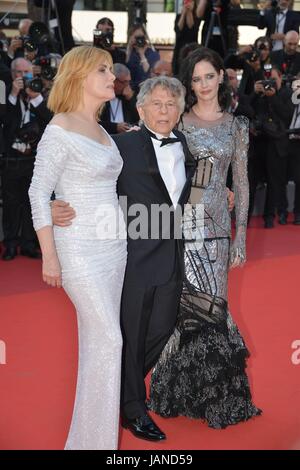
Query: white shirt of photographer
[170,160]
[116,110]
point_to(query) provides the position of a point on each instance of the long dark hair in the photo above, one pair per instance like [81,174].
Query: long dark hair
[187,70]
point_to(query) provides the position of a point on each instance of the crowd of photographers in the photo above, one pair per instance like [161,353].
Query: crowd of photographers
[265,84]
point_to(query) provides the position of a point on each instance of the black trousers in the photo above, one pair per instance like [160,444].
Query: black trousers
[148,318]
[17,221]
[64,10]
[256,168]
[276,182]
[294,171]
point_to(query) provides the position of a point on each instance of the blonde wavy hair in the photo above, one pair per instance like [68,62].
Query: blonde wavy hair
[67,91]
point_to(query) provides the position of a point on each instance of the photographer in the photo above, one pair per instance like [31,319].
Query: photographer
[16,46]
[119,114]
[45,67]
[104,39]
[263,44]
[288,59]
[278,20]
[140,56]
[273,110]
[186,29]
[247,59]
[37,41]
[294,149]
[24,123]
[240,103]
[60,10]
[221,8]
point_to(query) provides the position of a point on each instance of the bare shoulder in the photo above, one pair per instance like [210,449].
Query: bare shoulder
[61,119]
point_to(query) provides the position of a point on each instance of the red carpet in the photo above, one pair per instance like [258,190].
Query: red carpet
[38,330]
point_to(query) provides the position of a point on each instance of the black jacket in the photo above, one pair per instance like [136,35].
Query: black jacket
[13,118]
[130,113]
[150,261]
[288,64]
[268,20]
[278,109]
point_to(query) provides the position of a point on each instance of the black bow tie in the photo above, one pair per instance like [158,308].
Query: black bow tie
[164,140]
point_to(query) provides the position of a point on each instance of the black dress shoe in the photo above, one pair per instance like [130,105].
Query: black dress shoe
[282,219]
[30,253]
[9,253]
[269,222]
[297,219]
[144,427]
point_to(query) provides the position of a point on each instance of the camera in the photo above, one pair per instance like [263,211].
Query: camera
[33,83]
[103,40]
[27,44]
[140,41]
[38,35]
[263,46]
[49,65]
[275,6]
[29,133]
[27,137]
[252,56]
[269,83]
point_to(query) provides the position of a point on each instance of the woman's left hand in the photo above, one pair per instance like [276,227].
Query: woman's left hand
[237,254]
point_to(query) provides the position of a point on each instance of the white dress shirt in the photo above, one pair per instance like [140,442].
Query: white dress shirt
[170,160]
[116,110]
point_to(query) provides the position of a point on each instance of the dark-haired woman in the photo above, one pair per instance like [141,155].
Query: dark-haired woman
[201,372]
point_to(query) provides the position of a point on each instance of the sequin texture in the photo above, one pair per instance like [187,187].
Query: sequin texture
[84,173]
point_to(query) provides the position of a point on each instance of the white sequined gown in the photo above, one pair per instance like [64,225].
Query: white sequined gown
[84,173]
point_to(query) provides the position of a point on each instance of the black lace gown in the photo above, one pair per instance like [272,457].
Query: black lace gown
[201,372]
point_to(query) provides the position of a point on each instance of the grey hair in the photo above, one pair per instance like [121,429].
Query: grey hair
[15,62]
[168,83]
[120,69]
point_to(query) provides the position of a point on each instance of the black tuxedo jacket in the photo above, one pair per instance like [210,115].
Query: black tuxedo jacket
[151,262]
[268,20]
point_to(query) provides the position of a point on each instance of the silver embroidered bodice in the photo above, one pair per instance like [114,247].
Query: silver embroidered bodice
[215,145]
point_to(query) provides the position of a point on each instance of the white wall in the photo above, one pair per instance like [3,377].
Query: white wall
[160,27]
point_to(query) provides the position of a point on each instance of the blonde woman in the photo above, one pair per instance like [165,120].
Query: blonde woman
[78,160]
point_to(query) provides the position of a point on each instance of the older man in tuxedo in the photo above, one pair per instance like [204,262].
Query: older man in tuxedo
[157,170]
